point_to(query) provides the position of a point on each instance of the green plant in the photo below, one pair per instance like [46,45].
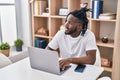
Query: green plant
[4,46]
[18,43]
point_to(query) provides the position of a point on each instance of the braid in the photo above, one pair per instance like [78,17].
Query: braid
[81,16]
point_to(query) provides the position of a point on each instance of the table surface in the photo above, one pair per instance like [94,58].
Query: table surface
[22,70]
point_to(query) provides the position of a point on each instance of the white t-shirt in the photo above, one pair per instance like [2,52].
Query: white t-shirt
[73,47]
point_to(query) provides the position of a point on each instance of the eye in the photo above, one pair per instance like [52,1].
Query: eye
[70,22]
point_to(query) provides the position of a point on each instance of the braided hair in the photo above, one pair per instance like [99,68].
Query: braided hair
[81,16]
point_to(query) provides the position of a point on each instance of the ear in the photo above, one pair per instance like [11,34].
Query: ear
[79,28]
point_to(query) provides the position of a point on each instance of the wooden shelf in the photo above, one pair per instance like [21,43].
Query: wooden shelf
[57,16]
[110,43]
[41,16]
[42,36]
[114,20]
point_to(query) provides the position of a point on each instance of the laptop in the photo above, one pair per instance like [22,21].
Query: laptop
[45,60]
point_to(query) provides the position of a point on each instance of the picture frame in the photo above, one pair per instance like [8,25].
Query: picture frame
[63,11]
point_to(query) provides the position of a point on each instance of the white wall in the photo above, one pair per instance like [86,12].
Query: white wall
[8,23]
[23,21]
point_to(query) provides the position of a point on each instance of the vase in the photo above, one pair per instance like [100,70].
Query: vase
[5,52]
[19,48]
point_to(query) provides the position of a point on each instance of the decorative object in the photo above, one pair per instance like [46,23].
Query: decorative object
[106,62]
[5,48]
[18,44]
[63,11]
[104,39]
[42,31]
[46,12]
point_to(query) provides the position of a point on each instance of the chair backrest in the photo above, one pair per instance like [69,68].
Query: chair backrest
[98,58]
[4,61]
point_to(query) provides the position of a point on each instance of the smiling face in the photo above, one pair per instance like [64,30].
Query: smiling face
[72,26]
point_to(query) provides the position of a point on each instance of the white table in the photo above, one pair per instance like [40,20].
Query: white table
[21,70]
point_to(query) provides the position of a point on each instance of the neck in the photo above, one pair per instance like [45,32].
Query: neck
[76,34]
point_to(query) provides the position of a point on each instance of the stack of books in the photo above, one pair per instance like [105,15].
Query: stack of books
[40,43]
[39,7]
[36,7]
[107,16]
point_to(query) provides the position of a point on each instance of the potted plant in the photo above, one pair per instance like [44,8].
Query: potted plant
[5,48]
[18,44]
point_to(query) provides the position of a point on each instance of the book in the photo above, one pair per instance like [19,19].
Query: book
[97,8]
[36,42]
[39,7]
[107,16]
[36,7]
[42,44]
[43,6]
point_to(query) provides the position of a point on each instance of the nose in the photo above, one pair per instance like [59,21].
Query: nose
[66,24]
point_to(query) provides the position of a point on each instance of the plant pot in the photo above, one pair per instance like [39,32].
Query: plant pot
[5,52]
[19,48]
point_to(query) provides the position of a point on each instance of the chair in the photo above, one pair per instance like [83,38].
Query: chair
[98,63]
[4,61]
[98,59]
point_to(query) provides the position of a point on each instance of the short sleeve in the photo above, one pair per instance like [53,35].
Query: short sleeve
[91,42]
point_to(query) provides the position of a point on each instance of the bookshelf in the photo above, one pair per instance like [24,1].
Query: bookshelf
[100,27]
